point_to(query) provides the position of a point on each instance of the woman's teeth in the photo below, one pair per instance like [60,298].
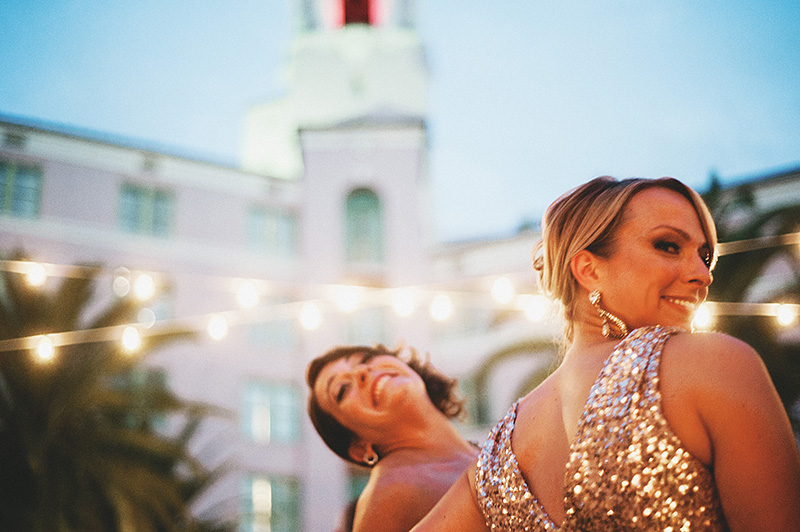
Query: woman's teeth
[378,388]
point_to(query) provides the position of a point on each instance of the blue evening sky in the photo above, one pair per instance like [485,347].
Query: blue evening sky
[527,98]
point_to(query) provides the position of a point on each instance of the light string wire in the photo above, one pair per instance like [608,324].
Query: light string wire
[367,297]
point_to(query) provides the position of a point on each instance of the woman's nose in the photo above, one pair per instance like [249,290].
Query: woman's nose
[360,373]
[699,272]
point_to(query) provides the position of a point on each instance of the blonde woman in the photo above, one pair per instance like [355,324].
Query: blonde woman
[644,425]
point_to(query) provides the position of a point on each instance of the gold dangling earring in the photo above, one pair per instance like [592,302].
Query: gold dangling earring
[370,457]
[608,319]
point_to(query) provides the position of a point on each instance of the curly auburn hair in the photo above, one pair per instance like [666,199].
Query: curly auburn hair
[442,391]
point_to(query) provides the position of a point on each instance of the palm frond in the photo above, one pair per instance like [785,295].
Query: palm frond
[737,274]
[81,437]
[70,300]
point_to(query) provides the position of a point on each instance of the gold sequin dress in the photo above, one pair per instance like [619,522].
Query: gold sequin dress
[627,470]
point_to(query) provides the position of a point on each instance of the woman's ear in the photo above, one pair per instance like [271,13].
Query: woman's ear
[585,267]
[359,449]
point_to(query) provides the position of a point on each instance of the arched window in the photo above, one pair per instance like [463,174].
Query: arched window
[363,227]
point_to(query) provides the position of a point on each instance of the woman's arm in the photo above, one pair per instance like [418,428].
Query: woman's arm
[753,451]
[457,511]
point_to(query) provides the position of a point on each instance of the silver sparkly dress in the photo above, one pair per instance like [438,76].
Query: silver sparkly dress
[627,470]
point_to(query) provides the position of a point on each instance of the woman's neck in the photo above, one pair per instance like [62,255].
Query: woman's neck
[588,338]
[438,441]
[587,330]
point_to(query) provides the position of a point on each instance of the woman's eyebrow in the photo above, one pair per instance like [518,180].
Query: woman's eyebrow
[683,234]
[328,386]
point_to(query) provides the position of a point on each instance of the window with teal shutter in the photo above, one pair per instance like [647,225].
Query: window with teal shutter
[20,189]
[363,227]
[272,412]
[271,504]
[146,210]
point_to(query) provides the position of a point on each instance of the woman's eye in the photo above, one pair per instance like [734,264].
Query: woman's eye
[341,392]
[669,247]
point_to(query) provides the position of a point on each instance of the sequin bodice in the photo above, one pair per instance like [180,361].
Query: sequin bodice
[627,470]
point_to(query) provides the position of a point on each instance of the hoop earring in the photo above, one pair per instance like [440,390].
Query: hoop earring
[370,457]
[609,320]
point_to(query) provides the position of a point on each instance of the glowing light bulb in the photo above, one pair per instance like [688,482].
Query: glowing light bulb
[121,285]
[310,316]
[36,274]
[536,307]
[403,302]
[348,298]
[144,287]
[45,349]
[218,327]
[131,340]
[503,290]
[703,318]
[247,294]
[786,315]
[146,317]
[441,307]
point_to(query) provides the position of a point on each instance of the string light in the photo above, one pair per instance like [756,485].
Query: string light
[36,274]
[503,290]
[786,314]
[535,307]
[752,244]
[703,318]
[441,307]
[348,297]
[121,285]
[247,295]
[146,317]
[218,327]
[45,350]
[310,316]
[144,287]
[131,339]
[403,302]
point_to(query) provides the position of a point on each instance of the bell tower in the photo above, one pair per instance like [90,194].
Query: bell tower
[351,130]
[348,59]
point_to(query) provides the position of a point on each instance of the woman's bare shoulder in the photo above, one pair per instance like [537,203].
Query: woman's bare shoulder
[711,364]
[709,340]
[701,352]
[722,384]
[398,497]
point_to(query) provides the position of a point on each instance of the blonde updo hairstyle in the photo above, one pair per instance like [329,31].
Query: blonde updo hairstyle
[587,217]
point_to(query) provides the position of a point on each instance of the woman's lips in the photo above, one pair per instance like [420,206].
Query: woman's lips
[377,387]
[689,304]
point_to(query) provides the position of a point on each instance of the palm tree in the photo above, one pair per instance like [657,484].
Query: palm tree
[736,276]
[84,443]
